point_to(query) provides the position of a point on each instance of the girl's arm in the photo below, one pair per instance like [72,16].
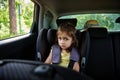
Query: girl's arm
[76,67]
[49,59]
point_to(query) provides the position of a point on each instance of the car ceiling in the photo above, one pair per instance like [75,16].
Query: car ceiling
[81,6]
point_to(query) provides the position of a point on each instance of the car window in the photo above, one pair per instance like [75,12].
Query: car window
[47,19]
[16,18]
[105,20]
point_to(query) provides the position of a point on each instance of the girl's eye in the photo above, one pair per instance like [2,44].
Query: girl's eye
[59,38]
[65,39]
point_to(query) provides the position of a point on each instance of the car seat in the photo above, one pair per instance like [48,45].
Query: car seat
[42,45]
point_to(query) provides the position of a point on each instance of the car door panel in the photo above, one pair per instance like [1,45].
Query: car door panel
[21,47]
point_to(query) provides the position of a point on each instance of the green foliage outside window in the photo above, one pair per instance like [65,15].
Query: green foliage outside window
[105,20]
[24,18]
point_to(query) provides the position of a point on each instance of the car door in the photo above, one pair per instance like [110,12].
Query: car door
[21,46]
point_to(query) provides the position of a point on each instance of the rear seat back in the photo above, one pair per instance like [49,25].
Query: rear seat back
[116,45]
[100,61]
[42,45]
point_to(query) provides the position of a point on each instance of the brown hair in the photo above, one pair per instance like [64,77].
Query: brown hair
[91,23]
[70,30]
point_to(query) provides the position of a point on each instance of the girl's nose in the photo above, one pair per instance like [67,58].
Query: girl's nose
[62,41]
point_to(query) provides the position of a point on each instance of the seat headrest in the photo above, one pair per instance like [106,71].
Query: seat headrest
[71,20]
[98,32]
[118,20]
[51,36]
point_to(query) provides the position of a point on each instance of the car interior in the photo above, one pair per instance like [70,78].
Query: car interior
[22,57]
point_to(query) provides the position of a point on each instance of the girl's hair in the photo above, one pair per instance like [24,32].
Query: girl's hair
[70,30]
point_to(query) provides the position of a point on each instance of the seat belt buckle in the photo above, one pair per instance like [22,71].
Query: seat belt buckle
[38,56]
[83,62]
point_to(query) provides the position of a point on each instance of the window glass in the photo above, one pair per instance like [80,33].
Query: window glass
[16,17]
[47,19]
[105,20]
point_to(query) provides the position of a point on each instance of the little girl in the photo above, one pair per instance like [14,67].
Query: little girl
[64,52]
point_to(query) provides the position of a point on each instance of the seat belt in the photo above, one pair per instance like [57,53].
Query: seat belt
[85,50]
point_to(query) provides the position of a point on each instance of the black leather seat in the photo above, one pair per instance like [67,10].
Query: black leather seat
[99,59]
[42,45]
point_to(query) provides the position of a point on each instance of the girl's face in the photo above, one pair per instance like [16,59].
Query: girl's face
[64,40]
